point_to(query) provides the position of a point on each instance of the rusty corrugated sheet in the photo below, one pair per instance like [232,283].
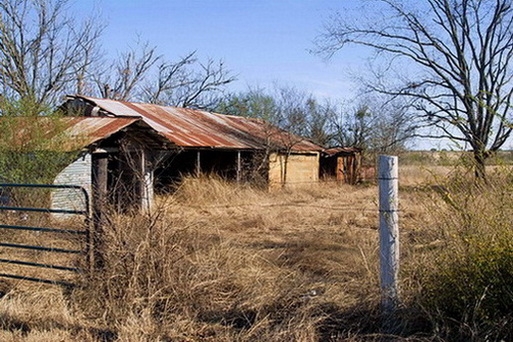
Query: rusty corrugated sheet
[340,150]
[90,130]
[64,134]
[195,128]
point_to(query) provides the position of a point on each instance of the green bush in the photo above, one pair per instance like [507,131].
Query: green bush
[30,146]
[474,289]
[32,150]
[468,291]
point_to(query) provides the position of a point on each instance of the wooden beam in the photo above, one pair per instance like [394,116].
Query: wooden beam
[239,167]
[99,198]
[147,191]
[198,163]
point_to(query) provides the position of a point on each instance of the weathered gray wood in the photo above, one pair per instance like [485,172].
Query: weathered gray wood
[147,193]
[239,167]
[77,173]
[389,230]
[99,201]
[198,163]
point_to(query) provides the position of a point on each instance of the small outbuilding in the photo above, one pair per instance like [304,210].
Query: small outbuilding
[115,162]
[111,158]
[342,164]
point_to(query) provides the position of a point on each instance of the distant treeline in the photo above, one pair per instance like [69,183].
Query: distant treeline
[451,158]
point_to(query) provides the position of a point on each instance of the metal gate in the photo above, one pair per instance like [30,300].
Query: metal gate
[7,207]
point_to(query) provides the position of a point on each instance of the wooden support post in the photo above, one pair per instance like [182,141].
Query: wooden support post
[341,176]
[198,163]
[389,231]
[239,167]
[99,199]
[147,194]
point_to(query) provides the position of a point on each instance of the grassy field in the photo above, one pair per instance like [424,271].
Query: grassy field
[219,262]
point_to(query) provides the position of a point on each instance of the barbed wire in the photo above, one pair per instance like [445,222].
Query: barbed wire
[284,204]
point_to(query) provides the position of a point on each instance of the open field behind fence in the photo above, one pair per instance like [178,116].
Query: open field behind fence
[219,262]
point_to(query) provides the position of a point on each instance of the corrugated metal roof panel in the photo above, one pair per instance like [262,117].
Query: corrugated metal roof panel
[195,128]
[64,134]
[92,129]
[341,150]
[115,106]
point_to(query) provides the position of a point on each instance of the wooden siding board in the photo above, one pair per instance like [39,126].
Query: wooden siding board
[77,173]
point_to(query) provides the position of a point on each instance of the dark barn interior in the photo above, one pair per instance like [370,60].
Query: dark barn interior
[341,164]
[231,165]
[122,167]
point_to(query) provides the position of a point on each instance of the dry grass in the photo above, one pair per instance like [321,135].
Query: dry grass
[220,262]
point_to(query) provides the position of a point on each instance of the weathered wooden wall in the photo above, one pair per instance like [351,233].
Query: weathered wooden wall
[294,169]
[345,167]
[77,173]
[349,168]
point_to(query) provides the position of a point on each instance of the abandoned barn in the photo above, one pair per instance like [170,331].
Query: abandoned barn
[128,151]
[238,148]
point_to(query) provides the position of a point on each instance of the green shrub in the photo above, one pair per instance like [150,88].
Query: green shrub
[468,291]
[32,150]
[30,147]
[475,288]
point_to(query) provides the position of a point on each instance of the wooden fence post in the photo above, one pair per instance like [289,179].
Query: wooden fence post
[146,175]
[388,231]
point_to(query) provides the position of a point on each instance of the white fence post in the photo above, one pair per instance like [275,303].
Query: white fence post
[388,230]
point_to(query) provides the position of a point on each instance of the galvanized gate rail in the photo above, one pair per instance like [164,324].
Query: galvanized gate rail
[86,232]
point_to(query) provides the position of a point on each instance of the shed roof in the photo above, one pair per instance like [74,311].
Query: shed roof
[67,133]
[89,130]
[200,129]
[329,152]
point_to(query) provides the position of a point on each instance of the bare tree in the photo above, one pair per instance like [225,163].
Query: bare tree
[393,124]
[142,74]
[44,51]
[376,123]
[319,121]
[461,50]
[352,127]
[170,76]
[205,87]
[125,74]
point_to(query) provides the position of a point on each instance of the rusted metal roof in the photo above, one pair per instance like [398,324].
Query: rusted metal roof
[99,128]
[340,150]
[92,129]
[200,129]
[67,133]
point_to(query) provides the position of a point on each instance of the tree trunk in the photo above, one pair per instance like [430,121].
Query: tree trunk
[479,167]
[285,169]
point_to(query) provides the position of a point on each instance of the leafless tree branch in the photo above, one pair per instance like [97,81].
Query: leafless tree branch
[463,51]
[43,50]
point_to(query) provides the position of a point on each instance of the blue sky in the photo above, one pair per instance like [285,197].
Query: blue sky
[261,41]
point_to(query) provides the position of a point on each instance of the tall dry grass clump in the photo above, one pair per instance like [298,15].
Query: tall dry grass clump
[211,189]
[167,278]
[465,286]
